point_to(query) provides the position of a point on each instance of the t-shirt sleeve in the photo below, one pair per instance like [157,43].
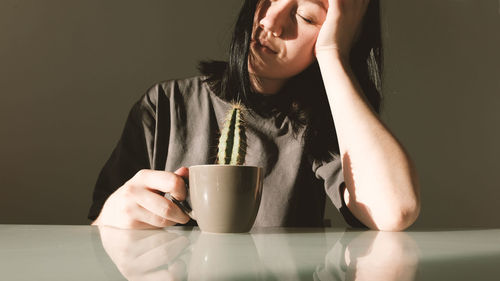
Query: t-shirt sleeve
[133,152]
[332,175]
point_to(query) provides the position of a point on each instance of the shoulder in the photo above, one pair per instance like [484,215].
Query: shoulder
[179,92]
[185,86]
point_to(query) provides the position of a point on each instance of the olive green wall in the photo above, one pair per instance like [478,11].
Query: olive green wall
[70,71]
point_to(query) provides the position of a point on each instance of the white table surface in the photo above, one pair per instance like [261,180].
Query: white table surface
[58,252]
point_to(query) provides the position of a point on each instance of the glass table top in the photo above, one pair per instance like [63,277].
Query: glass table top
[36,252]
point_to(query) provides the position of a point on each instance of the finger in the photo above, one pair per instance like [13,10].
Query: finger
[117,238]
[159,205]
[162,254]
[145,216]
[183,172]
[158,238]
[162,274]
[160,180]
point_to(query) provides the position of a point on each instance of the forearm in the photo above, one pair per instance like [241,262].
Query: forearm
[382,189]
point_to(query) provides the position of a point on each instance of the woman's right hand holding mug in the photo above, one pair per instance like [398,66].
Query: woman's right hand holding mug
[140,203]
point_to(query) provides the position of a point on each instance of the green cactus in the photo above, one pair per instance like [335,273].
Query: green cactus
[232,142]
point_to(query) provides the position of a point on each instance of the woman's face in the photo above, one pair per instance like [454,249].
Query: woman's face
[283,37]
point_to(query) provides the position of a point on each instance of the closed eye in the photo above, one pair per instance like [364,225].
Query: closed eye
[306,19]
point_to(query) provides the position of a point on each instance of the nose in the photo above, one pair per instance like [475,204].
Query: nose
[275,18]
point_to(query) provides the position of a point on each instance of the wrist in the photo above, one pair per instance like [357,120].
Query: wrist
[332,52]
[333,59]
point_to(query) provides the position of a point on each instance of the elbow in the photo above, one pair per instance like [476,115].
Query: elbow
[405,212]
[401,218]
[385,212]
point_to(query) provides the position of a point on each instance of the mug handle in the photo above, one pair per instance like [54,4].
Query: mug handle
[183,205]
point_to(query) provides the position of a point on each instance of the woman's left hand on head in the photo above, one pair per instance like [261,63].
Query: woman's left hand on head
[341,26]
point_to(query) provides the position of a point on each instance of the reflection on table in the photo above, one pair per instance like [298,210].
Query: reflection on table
[54,252]
[292,254]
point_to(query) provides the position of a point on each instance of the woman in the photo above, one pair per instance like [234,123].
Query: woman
[308,72]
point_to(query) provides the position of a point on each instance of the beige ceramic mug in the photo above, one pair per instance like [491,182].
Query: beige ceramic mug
[223,198]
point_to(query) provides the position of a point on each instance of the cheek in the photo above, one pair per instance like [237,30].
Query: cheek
[303,48]
[306,39]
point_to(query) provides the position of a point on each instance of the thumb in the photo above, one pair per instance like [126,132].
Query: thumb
[183,172]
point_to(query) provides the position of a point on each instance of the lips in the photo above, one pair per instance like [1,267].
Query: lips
[266,46]
[264,42]
[269,46]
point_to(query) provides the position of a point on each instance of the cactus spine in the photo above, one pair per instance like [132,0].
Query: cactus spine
[232,142]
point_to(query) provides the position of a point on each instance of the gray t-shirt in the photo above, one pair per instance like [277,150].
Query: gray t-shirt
[177,123]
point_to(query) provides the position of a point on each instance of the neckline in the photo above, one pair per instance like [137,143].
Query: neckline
[269,104]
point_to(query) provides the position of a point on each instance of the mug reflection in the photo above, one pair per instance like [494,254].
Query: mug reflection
[372,256]
[225,257]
